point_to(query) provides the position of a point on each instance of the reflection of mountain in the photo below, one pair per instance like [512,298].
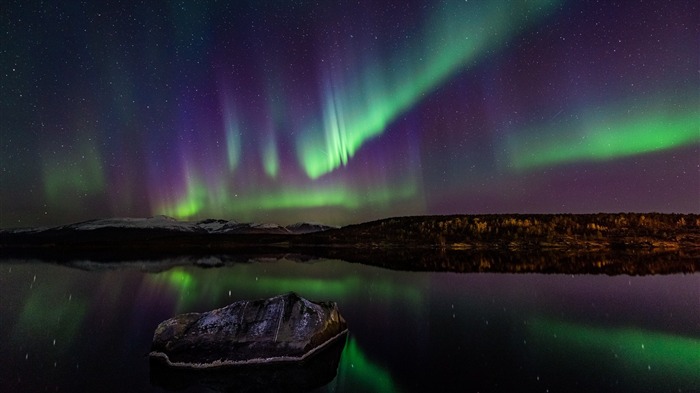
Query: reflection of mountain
[594,243]
[554,262]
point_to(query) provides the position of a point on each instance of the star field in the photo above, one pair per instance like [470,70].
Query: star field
[342,112]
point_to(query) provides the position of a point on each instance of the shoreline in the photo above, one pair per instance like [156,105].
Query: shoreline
[626,243]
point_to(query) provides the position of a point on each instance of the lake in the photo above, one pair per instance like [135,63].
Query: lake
[66,329]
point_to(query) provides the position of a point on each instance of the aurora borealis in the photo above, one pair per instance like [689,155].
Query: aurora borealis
[344,112]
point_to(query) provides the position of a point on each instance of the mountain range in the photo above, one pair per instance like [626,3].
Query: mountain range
[610,243]
[216,226]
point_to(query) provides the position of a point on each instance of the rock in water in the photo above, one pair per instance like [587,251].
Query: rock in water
[289,377]
[284,328]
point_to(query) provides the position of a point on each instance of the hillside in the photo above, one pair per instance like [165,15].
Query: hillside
[629,243]
[524,232]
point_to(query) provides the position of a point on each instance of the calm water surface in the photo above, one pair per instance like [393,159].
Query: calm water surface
[67,330]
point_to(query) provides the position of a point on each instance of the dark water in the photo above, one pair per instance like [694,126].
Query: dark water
[66,330]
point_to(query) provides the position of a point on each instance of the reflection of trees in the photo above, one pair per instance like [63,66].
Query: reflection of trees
[629,243]
[462,261]
[632,243]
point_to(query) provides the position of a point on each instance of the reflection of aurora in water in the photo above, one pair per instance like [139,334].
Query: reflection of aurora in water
[409,332]
[636,352]
[254,281]
[52,306]
[357,370]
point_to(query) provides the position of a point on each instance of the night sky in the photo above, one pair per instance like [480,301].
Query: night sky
[341,112]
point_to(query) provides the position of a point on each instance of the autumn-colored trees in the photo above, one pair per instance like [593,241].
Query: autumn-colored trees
[537,230]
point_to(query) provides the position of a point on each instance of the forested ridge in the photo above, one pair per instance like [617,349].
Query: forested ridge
[525,231]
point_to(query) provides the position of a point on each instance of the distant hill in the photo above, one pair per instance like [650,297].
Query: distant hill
[625,243]
[165,223]
[524,232]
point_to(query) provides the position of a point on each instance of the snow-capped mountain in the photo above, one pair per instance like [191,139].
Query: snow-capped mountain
[217,226]
[265,228]
[307,227]
[157,222]
[24,230]
[172,224]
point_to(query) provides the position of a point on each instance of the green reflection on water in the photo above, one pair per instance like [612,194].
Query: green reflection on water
[49,314]
[658,355]
[356,370]
[180,279]
[194,285]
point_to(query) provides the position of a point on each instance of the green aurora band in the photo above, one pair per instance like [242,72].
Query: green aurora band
[611,137]
[191,203]
[73,174]
[233,136]
[314,111]
[271,161]
[200,196]
[359,107]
